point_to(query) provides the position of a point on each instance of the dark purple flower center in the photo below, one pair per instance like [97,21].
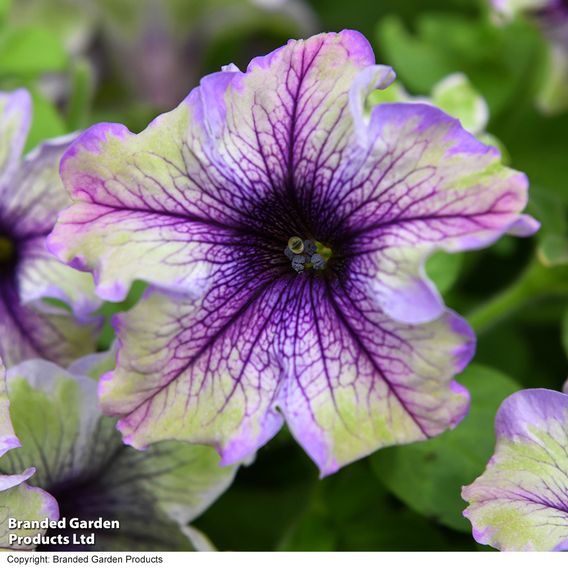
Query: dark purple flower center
[8,255]
[296,235]
[84,500]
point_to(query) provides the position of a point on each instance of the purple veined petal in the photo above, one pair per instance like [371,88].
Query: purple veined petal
[520,502]
[358,381]
[30,208]
[229,329]
[15,117]
[424,184]
[35,195]
[149,221]
[8,439]
[226,370]
[170,251]
[31,199]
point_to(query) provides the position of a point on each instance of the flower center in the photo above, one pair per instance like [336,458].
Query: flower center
[307,254]
[8,256]
[7,250]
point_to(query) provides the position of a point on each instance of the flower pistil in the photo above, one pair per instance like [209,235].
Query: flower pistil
[307,254]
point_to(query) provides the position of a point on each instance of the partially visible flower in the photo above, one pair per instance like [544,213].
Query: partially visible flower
[159,47]
[521,501]
[289,229]
[89,474]
[31,196]
[15,493]
[551,16]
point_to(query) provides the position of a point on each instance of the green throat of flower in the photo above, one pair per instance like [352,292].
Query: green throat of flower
[307,254]
[7,250]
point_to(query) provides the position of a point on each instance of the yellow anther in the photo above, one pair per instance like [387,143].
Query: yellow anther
[296,245]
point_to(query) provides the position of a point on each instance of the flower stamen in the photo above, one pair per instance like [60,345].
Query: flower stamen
[296,245]
[307,253]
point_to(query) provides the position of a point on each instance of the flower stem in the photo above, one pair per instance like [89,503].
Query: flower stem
[535,283]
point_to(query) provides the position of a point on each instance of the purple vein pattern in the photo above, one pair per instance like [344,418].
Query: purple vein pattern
[237,333]
[31,196]
[521,500]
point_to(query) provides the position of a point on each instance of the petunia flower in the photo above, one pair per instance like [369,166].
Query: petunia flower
[87,472]
[15,493]
[551,16]
[284,232]
[521,500]
[31,196]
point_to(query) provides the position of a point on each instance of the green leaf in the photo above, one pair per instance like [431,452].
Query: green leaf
[108,309]
[457,96]
[553,250]
[81,95]
[428,476]
[265,499]
[502,63]
[4,10]
[31,51]
[549,208]
[352,511]
[46,121]
[418,64]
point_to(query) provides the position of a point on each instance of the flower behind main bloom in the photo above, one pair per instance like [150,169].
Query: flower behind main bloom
[284,233]
[551,17]
[521,500]
[31,196]
[84,471]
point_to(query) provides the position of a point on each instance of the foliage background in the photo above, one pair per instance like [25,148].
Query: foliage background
[127,60]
